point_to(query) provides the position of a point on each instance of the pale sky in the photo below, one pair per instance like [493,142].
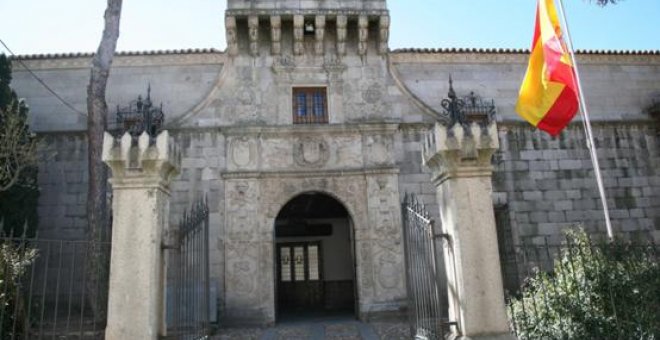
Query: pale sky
[62,26]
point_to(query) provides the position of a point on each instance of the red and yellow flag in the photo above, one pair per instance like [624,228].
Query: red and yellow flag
[548,97]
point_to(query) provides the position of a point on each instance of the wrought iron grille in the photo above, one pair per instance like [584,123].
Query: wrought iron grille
[427,312]
[52,288]
[188,271]
[139,116]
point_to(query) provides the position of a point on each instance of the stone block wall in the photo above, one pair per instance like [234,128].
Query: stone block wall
[548,184]
[62,182]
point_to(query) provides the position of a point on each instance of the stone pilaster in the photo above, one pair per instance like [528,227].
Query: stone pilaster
[462,171]
[141,175]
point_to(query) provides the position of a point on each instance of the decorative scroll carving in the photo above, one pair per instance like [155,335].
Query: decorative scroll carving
[231,34]
[253,32]
[298,34]
[363,34]
[342,22]
[384,34]
[276,34]
[320,34]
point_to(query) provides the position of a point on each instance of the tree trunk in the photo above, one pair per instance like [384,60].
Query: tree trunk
[98,224]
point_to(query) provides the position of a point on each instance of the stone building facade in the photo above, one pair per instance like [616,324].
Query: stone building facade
[346,153]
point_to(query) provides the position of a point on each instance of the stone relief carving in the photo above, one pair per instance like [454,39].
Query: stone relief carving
[378,149]
[373,93]
[241,225]
[242,195]
[242,258]
[311,152]
[243,151]
[389,268]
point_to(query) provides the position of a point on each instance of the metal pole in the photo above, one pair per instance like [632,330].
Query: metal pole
[587,125]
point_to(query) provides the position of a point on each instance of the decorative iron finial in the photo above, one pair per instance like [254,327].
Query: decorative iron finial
[140,115]
[466,110]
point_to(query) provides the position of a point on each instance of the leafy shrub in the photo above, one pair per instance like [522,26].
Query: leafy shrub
[14,260]
[608,291]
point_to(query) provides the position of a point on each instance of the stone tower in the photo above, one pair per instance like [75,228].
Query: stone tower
[307,27]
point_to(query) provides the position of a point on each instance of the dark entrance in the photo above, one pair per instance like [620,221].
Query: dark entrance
[314,256]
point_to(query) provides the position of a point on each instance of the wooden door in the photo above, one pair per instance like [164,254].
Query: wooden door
[300,285]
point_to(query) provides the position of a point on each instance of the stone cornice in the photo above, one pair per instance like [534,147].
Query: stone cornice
[311,173]
[476,57]
[83,61]
[287,130]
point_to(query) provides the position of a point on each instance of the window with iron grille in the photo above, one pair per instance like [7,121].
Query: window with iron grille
[310,105]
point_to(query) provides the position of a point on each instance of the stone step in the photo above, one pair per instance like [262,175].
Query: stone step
[344,330]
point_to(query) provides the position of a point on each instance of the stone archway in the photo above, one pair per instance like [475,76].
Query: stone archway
[314,258]
[252,206]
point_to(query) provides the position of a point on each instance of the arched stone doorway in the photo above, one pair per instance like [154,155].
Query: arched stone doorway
[314,258]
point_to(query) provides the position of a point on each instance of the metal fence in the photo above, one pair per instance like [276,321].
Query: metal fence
[188,276]
[583,289]
[427,312]
[52,288]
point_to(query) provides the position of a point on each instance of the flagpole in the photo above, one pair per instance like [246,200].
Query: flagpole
[587,126]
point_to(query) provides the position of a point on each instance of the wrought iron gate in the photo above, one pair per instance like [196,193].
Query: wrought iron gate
[188,276]
[427,313]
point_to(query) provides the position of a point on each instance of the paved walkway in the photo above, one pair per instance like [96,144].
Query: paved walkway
[336,329]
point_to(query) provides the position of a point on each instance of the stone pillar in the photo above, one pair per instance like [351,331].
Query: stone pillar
[462,171]
[141,175]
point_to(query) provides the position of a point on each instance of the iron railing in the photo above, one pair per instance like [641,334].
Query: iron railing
[48,290]
[427,312]
[559,285]
[188,270]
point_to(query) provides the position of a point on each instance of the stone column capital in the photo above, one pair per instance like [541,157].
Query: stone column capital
[458,151]
[147,163]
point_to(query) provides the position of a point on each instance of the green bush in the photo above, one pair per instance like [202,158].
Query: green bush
[14,260]
[608,291]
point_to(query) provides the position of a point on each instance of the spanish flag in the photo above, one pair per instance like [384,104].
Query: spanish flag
[548,97]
